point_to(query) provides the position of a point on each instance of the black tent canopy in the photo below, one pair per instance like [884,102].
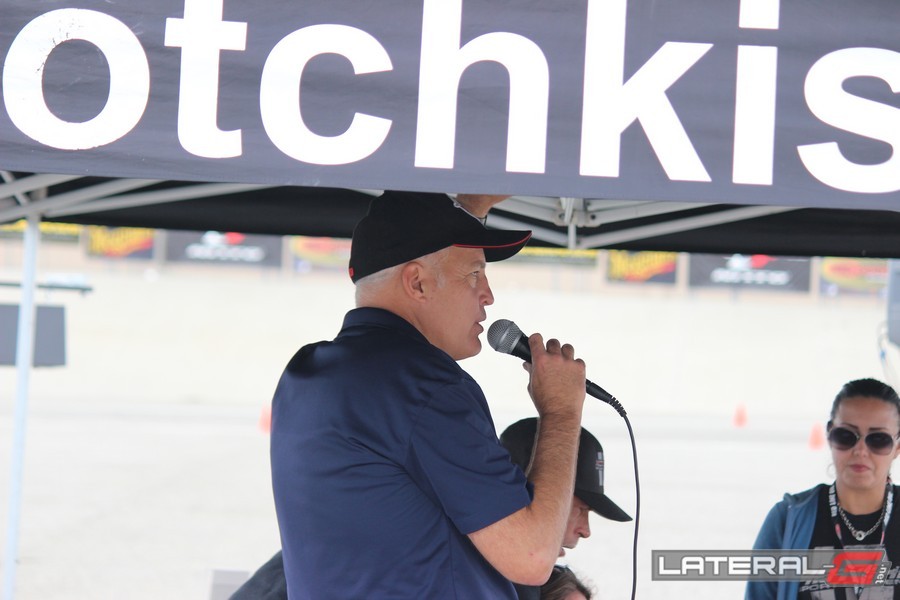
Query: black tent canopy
[563,222]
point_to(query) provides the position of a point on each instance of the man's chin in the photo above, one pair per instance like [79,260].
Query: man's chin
[562,552]
[473,351]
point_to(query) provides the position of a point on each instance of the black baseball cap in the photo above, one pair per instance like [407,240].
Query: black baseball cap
[518,439]
[403,226]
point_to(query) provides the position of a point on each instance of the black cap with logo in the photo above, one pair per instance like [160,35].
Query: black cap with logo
[518,439]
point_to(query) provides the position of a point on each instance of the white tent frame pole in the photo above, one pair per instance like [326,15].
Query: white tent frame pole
[538,233]
[58,201]
[649,231]
[24,359]
[13,187]
[145,198]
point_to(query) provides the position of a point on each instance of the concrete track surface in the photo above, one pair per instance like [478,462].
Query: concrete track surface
[146,468]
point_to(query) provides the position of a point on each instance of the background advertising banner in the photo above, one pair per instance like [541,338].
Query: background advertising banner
[309,253]
[556,256]
[853,276]
[757,271]
[741,101]
[223,248]
[57,232]
[120,242]
[641,267]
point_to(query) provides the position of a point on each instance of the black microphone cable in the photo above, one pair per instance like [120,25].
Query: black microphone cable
[506,337]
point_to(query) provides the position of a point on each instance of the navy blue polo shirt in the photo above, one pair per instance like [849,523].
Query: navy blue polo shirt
[384,457]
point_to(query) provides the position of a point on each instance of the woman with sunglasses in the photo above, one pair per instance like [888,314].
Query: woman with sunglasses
[858,509]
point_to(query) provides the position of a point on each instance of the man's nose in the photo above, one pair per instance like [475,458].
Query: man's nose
[488,294]
[585,528]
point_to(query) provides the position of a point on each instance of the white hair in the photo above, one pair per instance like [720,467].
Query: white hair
[371,286]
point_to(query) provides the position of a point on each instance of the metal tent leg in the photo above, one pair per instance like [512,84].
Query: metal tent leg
[24,358]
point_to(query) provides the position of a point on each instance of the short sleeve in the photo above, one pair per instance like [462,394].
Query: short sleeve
[455,458]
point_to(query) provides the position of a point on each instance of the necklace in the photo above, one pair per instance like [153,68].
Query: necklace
[886,506]
[861,535]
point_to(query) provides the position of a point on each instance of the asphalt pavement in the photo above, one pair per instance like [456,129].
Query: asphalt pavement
[146,468]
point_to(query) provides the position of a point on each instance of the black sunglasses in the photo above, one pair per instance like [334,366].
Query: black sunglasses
[878,442]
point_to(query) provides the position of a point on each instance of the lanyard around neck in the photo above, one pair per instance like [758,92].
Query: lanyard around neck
[887,509]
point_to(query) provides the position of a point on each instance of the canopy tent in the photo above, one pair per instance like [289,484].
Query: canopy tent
[567,222]
[742,126]
[614,123]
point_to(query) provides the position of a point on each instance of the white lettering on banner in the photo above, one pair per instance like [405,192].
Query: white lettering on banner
[252,254]
[832,104]
[279,95]
[759,277]
[759,14]
[442,65]
[23,75]
[610,105]
[201,34]
[754,115]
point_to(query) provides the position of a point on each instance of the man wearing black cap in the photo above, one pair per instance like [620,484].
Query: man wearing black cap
[388,478]
[518,439]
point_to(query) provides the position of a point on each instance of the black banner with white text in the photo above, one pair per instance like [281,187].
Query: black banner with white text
[737,101]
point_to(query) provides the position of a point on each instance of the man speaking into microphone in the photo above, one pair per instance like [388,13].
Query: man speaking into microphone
[388,477]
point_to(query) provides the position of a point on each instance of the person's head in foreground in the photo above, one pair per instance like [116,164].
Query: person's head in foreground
[564,585]
[518,439]
[423,257]
[863,433]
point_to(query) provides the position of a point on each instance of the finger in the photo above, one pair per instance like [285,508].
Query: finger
[568,351]
[553,345]
[536,343]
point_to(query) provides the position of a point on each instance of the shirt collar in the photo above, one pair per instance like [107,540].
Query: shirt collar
[369,317]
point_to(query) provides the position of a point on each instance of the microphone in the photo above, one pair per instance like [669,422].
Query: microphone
[506,337]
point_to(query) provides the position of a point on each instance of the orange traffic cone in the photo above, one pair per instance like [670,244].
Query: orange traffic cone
[265,420]
[817,437]
[740,416]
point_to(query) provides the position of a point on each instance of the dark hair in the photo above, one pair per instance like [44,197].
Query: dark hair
[866,388]
[563,582]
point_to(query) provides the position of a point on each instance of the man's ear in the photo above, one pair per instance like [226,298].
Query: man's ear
[412,277]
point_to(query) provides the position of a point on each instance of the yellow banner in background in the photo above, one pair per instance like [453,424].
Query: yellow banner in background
[853,275]
[55,231]
[314,252]
[120,242]
[658,267]
[561,256]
